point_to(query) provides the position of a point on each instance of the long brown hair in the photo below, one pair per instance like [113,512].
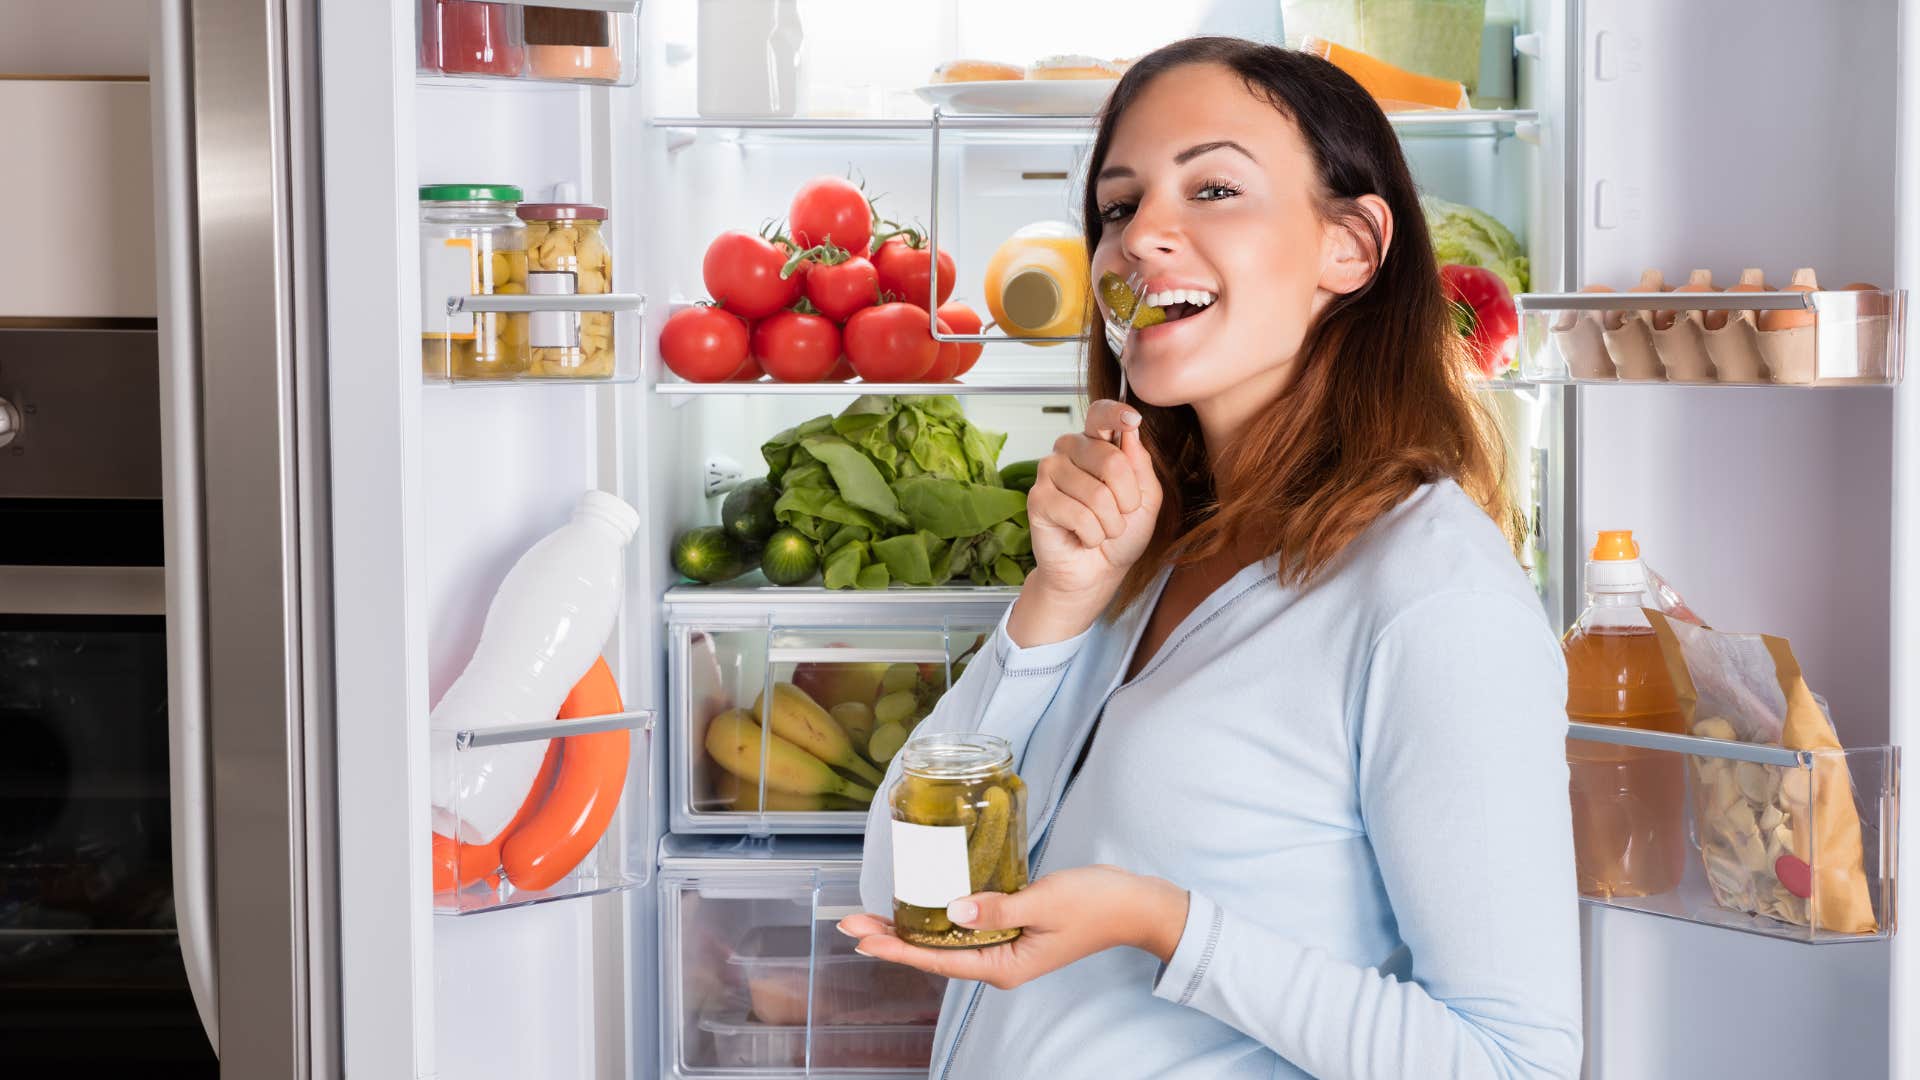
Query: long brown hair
[1382,401]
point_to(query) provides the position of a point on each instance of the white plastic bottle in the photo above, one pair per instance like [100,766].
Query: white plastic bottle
[545,626]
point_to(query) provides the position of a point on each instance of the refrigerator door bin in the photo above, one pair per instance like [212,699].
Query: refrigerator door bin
[1790,844]
[566,840]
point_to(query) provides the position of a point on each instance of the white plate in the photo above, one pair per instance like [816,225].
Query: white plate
[1029,97]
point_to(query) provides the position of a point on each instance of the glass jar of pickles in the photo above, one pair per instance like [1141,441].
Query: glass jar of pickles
[959,827]
[567,255]
[471,244]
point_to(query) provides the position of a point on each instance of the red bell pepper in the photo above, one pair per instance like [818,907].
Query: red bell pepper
[1484,314]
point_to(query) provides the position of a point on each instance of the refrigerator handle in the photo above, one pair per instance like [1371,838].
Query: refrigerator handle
[176,279]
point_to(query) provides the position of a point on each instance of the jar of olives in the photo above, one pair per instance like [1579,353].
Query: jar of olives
[471,244]
[566,255]
[959,827]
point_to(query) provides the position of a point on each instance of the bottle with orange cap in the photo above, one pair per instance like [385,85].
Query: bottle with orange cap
[1629,825]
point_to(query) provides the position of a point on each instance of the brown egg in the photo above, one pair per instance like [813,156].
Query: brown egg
[1752,279]
[1697,282]
[1793,318]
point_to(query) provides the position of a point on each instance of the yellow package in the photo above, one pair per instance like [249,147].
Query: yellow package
[1775,841]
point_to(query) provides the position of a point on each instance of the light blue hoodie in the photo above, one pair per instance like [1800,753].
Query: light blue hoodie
[1363,786]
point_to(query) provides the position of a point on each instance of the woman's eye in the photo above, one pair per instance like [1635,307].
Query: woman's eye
[1114,211]
[1212,192]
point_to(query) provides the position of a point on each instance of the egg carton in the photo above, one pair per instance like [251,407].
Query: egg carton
[1749,335]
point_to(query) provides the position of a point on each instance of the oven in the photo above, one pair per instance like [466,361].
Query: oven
[90,960]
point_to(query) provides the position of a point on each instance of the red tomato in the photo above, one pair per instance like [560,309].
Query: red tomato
[890,343]
[830,208]
[703,344]
[964,320]
[904,272]
[842,288]
[842,370]
[793,347]
[742,271]
[749,371]
[946,364]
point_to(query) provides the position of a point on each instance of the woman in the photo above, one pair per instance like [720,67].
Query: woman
[1310,711]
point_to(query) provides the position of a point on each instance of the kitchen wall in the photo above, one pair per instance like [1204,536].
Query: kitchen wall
[73,37]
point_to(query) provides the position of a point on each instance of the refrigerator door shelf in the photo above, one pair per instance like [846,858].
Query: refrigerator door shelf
[520,340]
[548,830]
[507,43]
[766,676]
[1855,337]
[1744,825]
[757,982]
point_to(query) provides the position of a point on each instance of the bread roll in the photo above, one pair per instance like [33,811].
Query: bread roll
[976,71]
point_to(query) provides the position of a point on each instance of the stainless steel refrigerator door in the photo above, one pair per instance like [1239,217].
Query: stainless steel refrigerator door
[243,406]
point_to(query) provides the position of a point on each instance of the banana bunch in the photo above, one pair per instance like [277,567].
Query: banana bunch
[829,735]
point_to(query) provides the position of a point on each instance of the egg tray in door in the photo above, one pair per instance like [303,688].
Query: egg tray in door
[1852,338]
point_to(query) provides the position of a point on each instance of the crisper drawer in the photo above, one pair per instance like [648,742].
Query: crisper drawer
[784,717]
[757,982]
[1791,844]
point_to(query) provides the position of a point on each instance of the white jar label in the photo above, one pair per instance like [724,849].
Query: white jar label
[553,329]
[446,269]
[930,864]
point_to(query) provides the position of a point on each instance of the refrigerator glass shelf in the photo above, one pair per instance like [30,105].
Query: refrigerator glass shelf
[620,858]
[987,127]
[1730,834]
[725,667]
[1852,338]
[1050,382]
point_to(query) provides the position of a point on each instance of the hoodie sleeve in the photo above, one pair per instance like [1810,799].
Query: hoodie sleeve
[1458,731]
[1003,692]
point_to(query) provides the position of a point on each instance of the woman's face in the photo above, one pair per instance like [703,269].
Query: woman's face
[1209,190]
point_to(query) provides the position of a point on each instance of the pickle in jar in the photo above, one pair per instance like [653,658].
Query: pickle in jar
[959,796]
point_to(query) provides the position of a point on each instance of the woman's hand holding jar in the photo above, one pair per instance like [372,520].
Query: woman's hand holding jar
[1092,511]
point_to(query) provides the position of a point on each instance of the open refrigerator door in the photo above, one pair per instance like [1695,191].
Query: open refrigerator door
[604,147]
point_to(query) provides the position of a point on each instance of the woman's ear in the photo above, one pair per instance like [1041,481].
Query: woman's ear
[1356,243]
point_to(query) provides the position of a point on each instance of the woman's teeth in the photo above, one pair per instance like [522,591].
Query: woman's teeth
[1196,297]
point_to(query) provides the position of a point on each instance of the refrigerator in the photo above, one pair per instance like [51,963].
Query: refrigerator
[338,515]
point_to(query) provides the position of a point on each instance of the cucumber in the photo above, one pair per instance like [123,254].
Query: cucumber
[747,512]
[1020,475]
[709,554]
[789,558]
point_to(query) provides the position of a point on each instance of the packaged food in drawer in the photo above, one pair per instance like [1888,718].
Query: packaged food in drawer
[740,1042]
[779,963]
[791,729]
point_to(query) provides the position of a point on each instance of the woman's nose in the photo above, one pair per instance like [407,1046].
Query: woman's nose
[1153,230]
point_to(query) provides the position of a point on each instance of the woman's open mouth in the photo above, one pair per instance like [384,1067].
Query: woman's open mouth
[1181,304]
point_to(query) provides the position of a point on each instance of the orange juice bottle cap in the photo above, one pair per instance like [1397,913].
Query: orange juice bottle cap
[1615,546]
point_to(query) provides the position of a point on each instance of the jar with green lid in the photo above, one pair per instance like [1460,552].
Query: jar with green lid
[471,244]
[567,255]
[959,827]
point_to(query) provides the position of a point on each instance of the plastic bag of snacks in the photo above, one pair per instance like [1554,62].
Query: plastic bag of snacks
[1776,841]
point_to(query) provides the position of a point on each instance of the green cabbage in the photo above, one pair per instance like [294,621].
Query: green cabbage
[1470,237]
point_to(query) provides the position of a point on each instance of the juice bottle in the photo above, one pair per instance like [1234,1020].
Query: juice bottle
[1629,826]
[1037,284]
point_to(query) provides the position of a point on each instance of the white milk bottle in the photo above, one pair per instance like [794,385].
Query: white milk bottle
[545,626]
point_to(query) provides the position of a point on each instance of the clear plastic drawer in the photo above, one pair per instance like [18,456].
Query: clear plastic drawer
[756,980]
[784,722]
